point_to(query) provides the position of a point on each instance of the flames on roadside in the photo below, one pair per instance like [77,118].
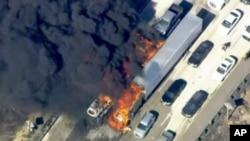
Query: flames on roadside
[119,116]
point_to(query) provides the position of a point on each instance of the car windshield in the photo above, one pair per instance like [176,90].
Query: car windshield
[142,126]
[221,70]
[191,106]
[198,51]
[170,95]
[163,23]
[167,135]
[228,60]
[248,28]
[227,24]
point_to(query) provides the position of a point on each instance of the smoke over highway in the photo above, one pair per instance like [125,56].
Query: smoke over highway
[60,54]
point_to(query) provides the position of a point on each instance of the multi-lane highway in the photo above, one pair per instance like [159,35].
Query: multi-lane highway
[200,78]
[197,78]
[219,92]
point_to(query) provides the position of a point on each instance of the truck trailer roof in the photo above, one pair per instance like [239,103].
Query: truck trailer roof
[169,54]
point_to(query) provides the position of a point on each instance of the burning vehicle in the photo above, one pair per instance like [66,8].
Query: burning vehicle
[99,107]
[127,107]
[157,65]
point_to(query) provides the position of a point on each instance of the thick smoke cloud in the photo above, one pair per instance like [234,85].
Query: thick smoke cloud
[61,54]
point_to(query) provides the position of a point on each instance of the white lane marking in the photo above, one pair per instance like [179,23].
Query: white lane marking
[167,117]
[164,83]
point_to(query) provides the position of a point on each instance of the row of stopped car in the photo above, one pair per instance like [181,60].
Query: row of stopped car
[165,26]
[200,96]
[233,17]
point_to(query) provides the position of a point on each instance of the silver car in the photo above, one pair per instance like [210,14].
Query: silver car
[145,124]
[167,135]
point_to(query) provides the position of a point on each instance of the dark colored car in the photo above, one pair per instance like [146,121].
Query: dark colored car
[194,103]
[173,92]
[169,20]
[200,53]
[247,2]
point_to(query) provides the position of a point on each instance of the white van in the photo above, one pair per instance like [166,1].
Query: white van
[217,5]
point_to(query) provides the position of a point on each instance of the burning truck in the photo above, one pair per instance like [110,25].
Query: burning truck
[157,65]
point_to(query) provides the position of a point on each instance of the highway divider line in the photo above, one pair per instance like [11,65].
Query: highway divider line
[167,117]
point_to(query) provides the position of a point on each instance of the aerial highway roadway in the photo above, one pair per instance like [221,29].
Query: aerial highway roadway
[199,78]
[190,129]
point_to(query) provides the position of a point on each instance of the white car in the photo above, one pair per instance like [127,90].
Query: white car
[246,34]
[232,19]
[98,108]
[216,5]
[225,67]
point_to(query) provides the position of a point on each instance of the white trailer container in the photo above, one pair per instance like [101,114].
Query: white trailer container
[166,58]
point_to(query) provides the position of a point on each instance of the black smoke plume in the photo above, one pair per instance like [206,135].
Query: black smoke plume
[59,55]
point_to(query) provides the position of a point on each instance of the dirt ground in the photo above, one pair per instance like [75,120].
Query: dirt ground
[14,128]
[220,130]
[10,120]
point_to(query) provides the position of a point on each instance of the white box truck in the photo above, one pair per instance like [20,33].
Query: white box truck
[169,54]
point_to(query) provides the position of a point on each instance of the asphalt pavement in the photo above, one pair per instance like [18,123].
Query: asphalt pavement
[199,78]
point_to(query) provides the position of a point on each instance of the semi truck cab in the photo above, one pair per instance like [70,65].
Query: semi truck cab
[217,5]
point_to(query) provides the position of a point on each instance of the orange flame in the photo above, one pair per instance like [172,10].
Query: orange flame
[149,49]
[120,117]
[104,99]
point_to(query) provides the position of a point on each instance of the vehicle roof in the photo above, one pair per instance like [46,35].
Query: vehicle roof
[230,18]
[198,96]
[204,45]
[228,60]
[218,2]
[176,85]
[233,14]
[166,136]
[95,104]
[168,16]
[195,102]
[176,8]
[237,12]
[162,26]
[248,28]
[146,118]
[207,43]
[196,56]
[163,59]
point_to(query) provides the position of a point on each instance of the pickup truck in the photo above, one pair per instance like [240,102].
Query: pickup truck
[169,20]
